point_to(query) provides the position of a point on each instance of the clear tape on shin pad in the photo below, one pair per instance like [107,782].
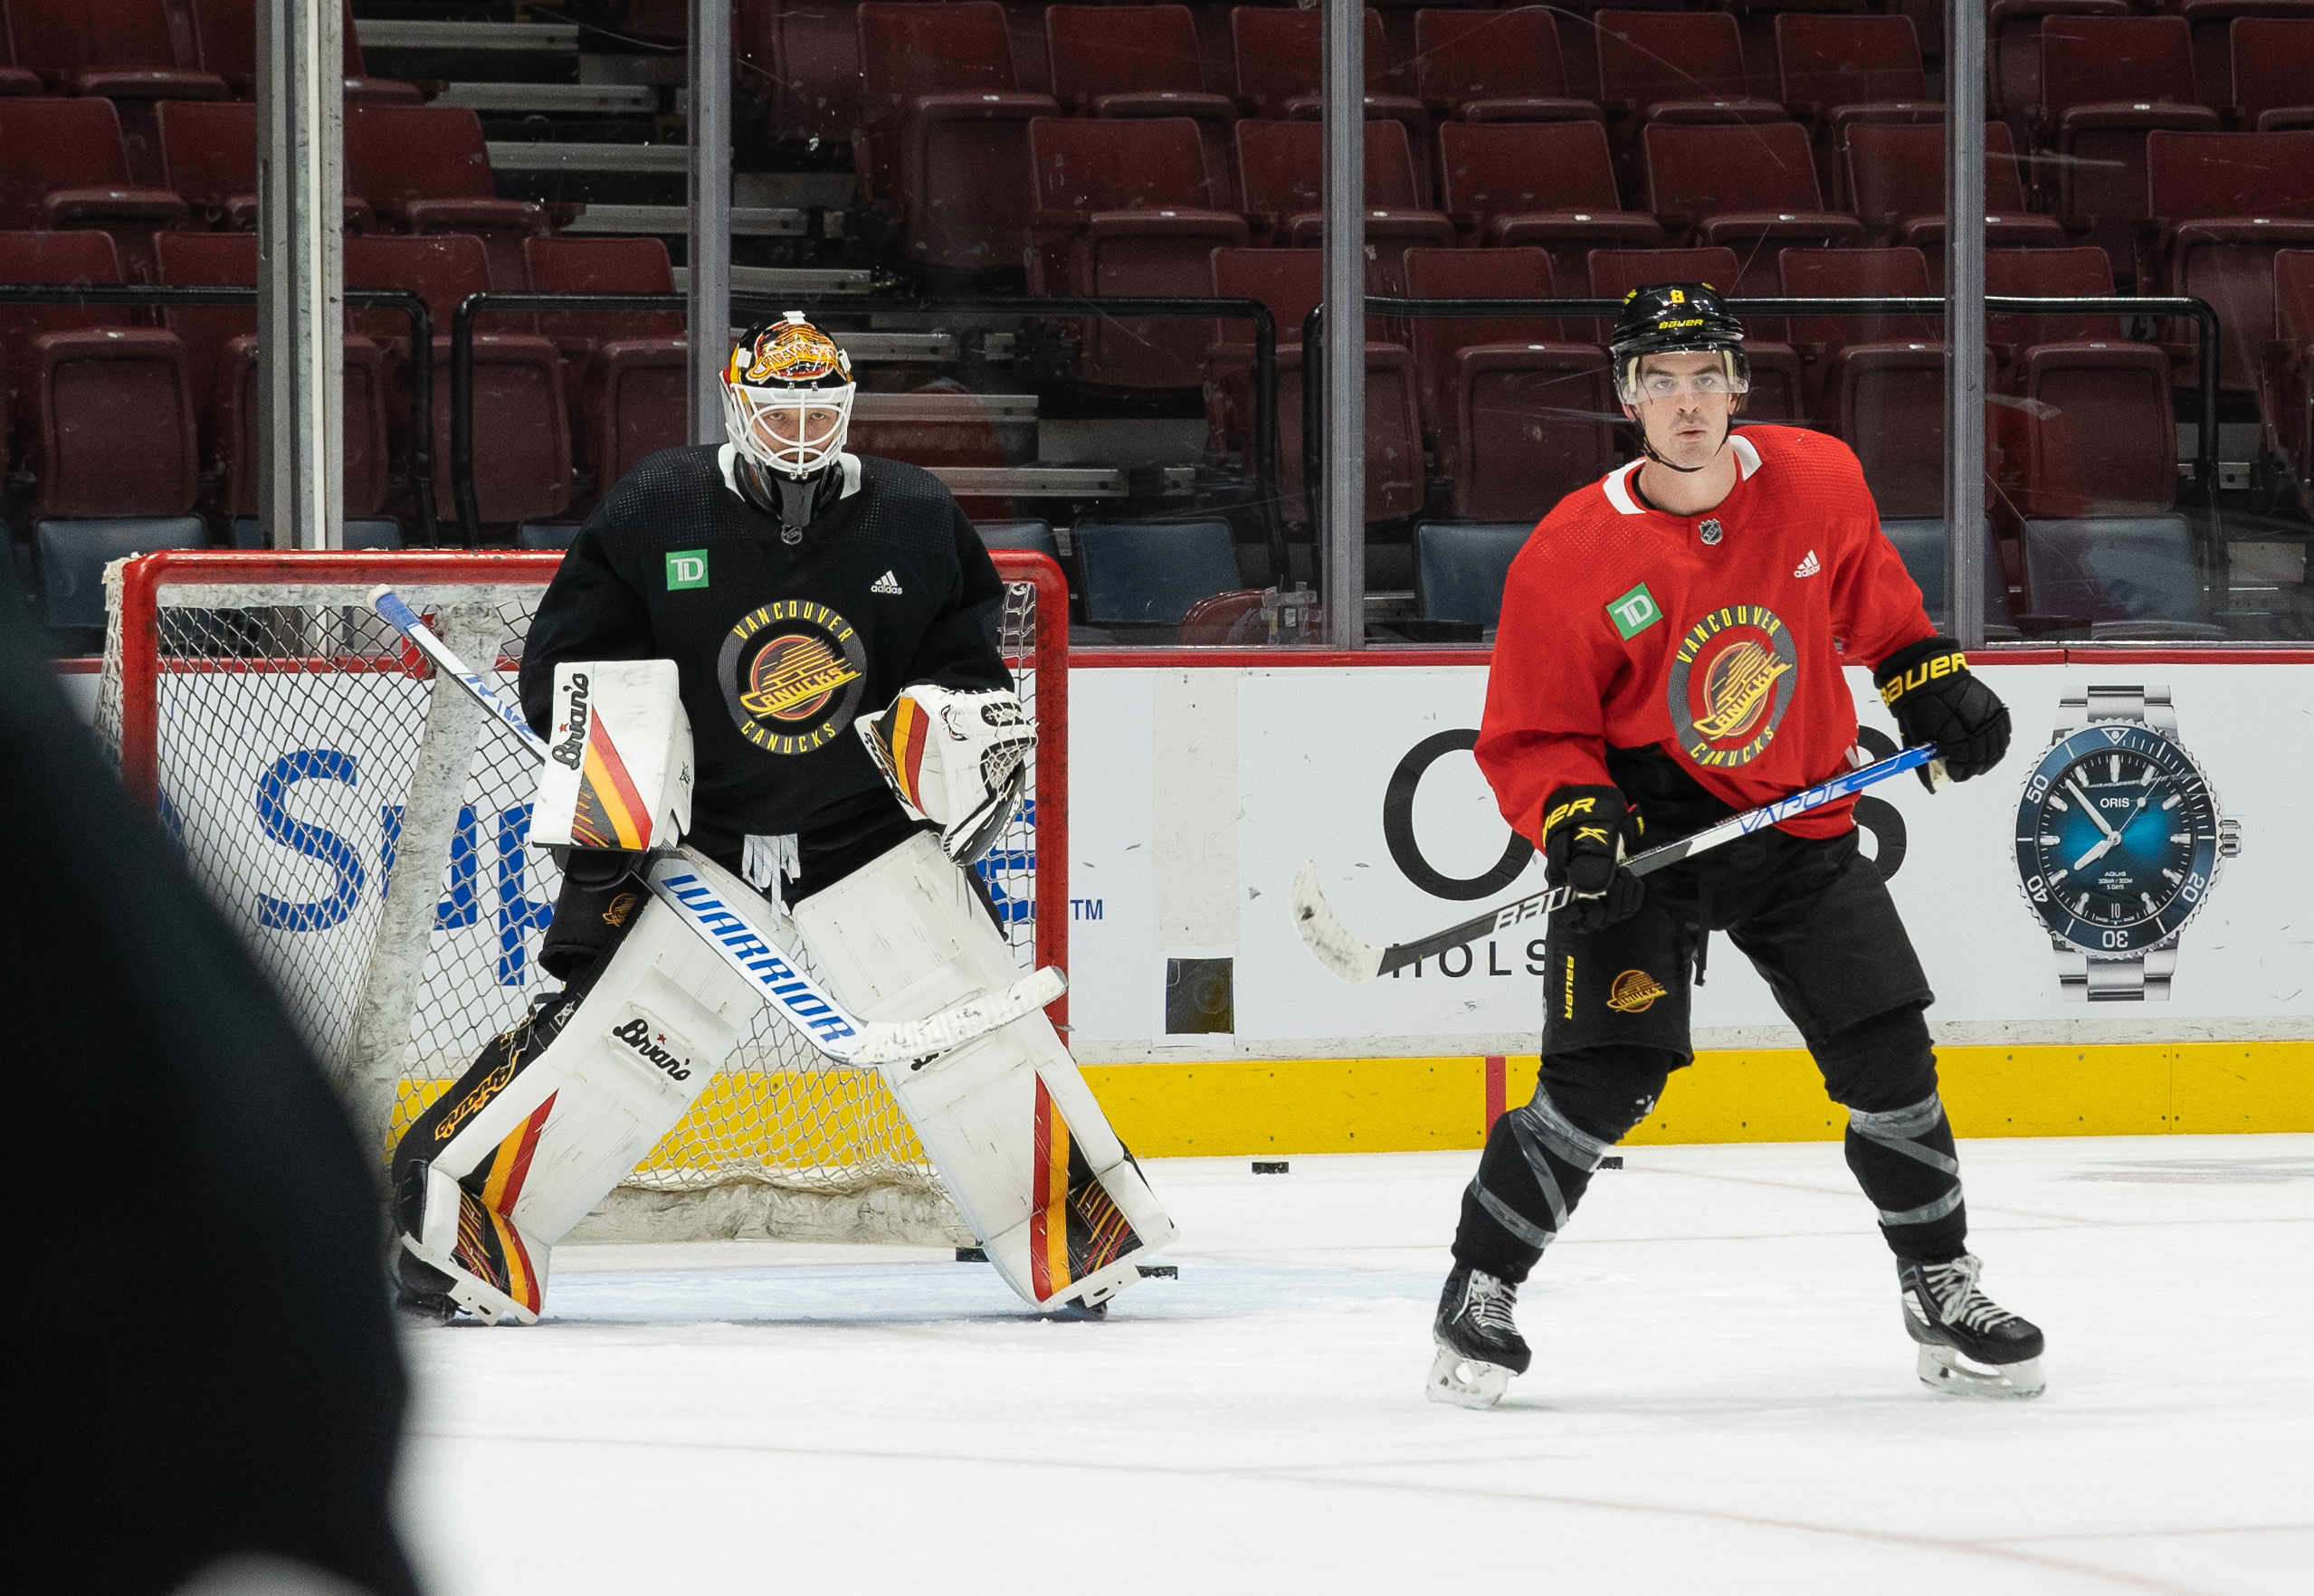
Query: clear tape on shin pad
[537,1154]
[1018,1138]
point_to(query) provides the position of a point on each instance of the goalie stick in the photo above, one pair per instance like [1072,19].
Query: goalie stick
[1353,960]
[794,996]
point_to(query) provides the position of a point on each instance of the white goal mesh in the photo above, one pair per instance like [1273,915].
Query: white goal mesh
[302,758]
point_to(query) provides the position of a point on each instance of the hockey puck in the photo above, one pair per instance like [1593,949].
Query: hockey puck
[1269,1166]
[1159,1271]
[971,1254]
[1611,1160]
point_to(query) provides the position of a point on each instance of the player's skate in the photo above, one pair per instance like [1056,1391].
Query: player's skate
[1969,1343]
[1479,1345]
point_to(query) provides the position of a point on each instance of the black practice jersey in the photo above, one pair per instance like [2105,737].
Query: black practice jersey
[780,646]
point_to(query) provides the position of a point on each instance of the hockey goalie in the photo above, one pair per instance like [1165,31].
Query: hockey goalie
[777,724]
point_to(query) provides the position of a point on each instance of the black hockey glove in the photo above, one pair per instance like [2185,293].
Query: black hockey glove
[1581,826]
[1936,698]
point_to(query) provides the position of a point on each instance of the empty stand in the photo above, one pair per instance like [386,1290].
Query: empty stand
[2107,81]
[1281,175]
[1896,181]
[2228,201]
[1776,386]
[2122,577]
[804,61]
[2012,53]
[62,167]
[1127,208]
[521,434]
[1521,416]
[117,49]
[1842,274]
[1752,188]
[1281,72]
[945,130]
[221,363]
[426,169]
[209,160]
[625,366]
[224,37]
[1494,66]
[1672,67]
[2212,22]
[2047,274]
[1546,184]
[1460,570]
[2272,87]
[1877,381]
[1138,574]
[103,413]
[1139,61]
[1835,72]
[1291,283]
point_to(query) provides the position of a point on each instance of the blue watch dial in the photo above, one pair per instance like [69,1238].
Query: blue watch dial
[2117,838]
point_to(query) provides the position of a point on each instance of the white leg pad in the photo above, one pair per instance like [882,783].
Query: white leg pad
[539,1152]
[1001,1116]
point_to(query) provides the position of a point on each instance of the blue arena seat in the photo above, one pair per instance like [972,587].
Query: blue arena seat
[2125,576]
[545,534]
[1922,543]
[1460,568]
[1150,572]
[72,558]
[249,533]
[1034,537]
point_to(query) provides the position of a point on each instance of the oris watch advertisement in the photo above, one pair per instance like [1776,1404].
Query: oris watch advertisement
[2144,856]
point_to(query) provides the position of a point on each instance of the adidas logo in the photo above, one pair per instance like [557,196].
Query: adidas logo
[890,584]
[1807,567]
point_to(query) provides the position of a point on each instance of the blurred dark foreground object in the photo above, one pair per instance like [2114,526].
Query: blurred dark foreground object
[203,1363]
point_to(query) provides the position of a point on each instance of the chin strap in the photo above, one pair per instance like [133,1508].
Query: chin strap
[795,501]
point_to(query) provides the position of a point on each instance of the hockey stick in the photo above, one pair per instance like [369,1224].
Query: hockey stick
[1353,960]
[794,996]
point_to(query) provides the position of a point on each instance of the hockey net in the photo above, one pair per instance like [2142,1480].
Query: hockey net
[302,758]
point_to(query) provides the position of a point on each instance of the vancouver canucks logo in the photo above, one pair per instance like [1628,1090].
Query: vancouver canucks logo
[1731,681]
[792,675]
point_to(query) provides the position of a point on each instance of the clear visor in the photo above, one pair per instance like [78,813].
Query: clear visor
[796,431]
[1633,388]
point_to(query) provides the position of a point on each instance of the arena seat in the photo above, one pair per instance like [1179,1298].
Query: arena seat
[71,557]
[1533,183]
[804,61]
[1521,416]
[1033,537]
[1280,69]
[82,380]
[1140,60]
[2227,202]
[946,128]
[1776,385]
[1896,181]
[625,368]
[1460,570]
[2285,375]
[117,49]
[1671,67]
[1822,340]
[224,36]
[1877,381]
[2212,22]
[209,160]
[1753,188]
[1126,207]
[2047,274]
[2272,89]
[2107,81]
[1494,66]
[2013,54]
[1281,174]
[1148,575]
[1835,72]
[426,169]
[2126,577]
[1292,281]
[61,168]
[220,364]
[546,534]
[521,434]
[249,532]
[1921,542]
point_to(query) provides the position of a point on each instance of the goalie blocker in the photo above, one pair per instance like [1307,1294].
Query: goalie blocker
[557,1111]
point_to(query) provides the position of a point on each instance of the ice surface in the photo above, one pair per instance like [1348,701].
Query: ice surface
[1722,1399]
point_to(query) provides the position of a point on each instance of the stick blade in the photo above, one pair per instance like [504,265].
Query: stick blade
[886,1041]
[1325,935]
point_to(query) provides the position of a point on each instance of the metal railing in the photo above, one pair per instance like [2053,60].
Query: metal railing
[508,301]
[166,296]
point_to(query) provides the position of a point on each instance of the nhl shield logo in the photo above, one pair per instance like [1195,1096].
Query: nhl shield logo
[1711,532]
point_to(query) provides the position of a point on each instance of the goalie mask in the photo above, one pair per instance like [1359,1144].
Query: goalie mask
[788,393]
[1676,318]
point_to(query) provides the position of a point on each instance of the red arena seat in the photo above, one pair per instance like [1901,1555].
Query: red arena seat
[1280,69]
[1139,61]
[425,168]
[2212,22]
[1550,184]
[221,366]
[117,50]
[1126,208]
[1494,66]
[1878,379]
[2227,201]
[2107,81]
[804,61]
[209,160]
[62,166]
[1672,67]
[224,35]
[1821,340]
[2272,87]
[1752,189]
[1896,181]
[1836,72]
[1280,171]
[2013,54]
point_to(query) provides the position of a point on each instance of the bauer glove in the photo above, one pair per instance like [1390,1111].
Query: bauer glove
[1584,829]
[1936,698]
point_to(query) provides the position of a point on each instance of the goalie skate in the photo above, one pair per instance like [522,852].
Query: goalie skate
[1969,1345]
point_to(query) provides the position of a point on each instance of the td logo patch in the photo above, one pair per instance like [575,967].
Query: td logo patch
[1634,613]
[1634,991]
[687,568]
[1731,679]
[792,674]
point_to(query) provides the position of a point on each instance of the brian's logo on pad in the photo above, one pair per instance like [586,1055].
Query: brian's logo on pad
[572,750]
[651,1046]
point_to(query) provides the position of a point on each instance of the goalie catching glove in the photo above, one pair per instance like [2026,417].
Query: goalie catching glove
[1936,698]
[958,759]
[1585,834]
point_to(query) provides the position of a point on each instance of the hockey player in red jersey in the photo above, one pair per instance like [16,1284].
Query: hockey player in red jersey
[1670,651]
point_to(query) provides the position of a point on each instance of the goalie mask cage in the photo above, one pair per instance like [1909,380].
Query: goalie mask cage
[304,759]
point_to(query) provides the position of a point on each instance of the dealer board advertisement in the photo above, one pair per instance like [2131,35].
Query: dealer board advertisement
[2138,865]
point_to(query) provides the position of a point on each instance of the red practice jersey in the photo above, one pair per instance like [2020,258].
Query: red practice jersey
[1718,637]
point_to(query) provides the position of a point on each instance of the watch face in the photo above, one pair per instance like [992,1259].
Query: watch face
[2117,838]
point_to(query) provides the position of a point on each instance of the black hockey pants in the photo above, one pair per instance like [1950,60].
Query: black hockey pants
[1815,920]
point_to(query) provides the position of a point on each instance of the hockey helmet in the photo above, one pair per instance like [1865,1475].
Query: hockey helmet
[1675,318]
[783,380]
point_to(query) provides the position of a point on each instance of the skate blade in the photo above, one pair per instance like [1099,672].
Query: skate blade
[1943,1368]
[1465,1382]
